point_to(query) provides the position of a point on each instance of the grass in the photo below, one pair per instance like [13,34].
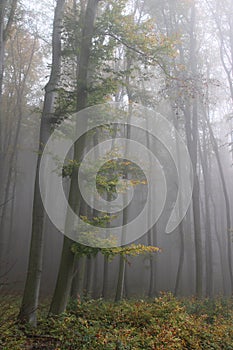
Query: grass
[162,323]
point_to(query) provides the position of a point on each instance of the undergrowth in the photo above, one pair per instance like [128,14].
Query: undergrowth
[163,323]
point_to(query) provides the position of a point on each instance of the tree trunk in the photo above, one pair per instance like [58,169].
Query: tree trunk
[191,128]
[227,201]
[9,166]
[5,33]
[105,278]
[78,280]
[32,286]
[2,42]
[120,281]
[63,285]
[90,276]
[122,263]
[208,241]
[220,248]
[5,30]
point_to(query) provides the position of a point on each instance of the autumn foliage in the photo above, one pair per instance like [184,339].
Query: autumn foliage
[162,323]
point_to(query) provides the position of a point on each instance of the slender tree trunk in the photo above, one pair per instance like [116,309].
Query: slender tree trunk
[32,286]
[208,241]
[181,225]
[220,248]
[150,241]
[78,280]
[5,30]
[106,261]
[191,127]
[122,263]
[181,260]
[2,42]
[66,270]
[14,135]
[227,201]
[150,236]
[90,276]
[120,281]
[191,134]
[105,278]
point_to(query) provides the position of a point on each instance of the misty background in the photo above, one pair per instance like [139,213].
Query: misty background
[149,52]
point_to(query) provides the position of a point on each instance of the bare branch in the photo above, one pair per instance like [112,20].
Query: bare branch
[7,30]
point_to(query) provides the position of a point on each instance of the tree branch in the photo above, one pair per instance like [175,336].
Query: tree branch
[7,30]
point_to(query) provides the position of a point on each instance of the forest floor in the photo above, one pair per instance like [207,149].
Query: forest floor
[162,323]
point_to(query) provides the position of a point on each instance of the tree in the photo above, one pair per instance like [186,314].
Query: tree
[227,201]
[7,11]
[7,14]
[66,269]
[31,292]
[20,71]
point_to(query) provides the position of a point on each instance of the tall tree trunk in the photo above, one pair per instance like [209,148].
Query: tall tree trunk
[2,42]
[181,225]
[5,30]
[191,128]
[227,200]
[191,134]
[32,286]
[5,33]
[208,240]
[150,233]
[120,280]
[90,276]
[220,248]
[106,260]
[66,270]
[11,160]
[78,280]
[122,263]
[105,278]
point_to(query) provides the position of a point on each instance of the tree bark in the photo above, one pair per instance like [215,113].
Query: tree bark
[122,263]
[11,160]
[66,270]
[208,241]
[31,292]
[191,128]
[78,280]
[5,30]
[227,201]
[5,33]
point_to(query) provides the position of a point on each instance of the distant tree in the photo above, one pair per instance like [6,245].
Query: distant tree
[7,14]
[21,71]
